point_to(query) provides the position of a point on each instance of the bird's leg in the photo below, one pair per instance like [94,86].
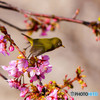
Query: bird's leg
[29,55]
[26,48]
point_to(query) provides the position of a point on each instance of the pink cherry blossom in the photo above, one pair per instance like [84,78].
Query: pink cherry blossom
[13,83]
[16,67]
[52,95]
[24,91]
[39,88]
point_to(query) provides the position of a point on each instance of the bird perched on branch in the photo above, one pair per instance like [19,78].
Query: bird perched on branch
[42,45]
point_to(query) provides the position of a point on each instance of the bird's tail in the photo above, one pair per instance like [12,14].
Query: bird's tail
[30,40]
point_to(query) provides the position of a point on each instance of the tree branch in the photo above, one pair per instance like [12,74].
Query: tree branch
[95,26]
[5,78]
[15,26]
[13,8]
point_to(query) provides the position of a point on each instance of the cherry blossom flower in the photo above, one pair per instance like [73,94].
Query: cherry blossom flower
[24,91]
[16,67]
[52,95]
[39,88]
[13,83]
[40,69]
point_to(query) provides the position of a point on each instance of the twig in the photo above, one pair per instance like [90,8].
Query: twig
[15,26]
[5,78]
[73,80]
[76,14]
[3,2]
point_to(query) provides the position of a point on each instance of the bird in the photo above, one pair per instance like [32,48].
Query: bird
[42,45]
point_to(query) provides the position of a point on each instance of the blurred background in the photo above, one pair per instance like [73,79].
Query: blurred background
[81,48]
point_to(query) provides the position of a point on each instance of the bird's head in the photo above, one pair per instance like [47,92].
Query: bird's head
[57,42]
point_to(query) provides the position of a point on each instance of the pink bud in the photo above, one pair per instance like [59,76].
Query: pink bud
[66,76]
[94,31]
[25,21]
[84,85]
[66,91]
[43,33]
[55,20]
[50,82]
[11,48]
[77,11]
[96,38]
[82,70]
[31,81]
[47,20]
[71,98]
[25,15]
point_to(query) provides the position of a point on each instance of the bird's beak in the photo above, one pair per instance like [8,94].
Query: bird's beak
[63,46]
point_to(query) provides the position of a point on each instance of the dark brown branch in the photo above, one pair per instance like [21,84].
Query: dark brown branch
[4,7]
[15,26]
[2,2]
[5,78]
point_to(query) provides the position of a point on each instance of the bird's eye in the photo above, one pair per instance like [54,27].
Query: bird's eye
[59,44]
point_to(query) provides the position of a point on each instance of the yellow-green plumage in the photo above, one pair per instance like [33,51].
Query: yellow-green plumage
[40,46]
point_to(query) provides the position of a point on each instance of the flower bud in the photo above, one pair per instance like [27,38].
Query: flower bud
[11,48]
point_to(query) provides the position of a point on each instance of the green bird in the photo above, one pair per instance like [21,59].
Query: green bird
[40,46]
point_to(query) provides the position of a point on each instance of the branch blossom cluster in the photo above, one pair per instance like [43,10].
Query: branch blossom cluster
[35,71]
[36,68]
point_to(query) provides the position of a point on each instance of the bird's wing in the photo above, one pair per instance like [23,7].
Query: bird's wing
[37,50]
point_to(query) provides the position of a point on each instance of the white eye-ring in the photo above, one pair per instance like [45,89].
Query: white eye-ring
[58,43]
